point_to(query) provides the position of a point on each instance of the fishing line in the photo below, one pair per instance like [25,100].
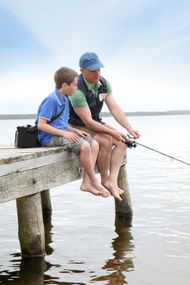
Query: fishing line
[134,144]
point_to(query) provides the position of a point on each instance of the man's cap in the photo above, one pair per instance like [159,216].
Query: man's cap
[90,61]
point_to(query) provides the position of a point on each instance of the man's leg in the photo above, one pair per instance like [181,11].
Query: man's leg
[104,155]
[117,157]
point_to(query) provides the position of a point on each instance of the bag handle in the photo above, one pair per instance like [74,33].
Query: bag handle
[34,128]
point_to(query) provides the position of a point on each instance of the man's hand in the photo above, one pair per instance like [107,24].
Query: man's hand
[118,136]
[83,134]
[135,133]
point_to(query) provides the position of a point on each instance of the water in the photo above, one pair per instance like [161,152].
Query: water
[84,246]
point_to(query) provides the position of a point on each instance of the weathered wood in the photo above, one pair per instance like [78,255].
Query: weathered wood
[46,202]
[123,209]
[30,226]
[25,173]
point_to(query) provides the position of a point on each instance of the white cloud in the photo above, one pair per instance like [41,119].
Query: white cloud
[146,67]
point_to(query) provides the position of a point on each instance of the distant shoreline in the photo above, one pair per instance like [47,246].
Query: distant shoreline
[104,114]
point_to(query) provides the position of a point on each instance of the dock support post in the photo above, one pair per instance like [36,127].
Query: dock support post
[46,202]
[30,225]
[124,209]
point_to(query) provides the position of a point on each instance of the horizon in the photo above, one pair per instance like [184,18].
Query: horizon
[105,112]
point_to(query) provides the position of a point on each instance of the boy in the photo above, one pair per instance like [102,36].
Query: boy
[58,133]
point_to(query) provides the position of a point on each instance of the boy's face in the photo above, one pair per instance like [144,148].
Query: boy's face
[72,87]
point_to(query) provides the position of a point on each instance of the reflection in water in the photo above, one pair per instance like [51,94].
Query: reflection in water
[33,271]
[48,234]
[122,260]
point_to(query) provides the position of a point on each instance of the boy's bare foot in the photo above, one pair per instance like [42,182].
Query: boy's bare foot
[91,189]
[114,190]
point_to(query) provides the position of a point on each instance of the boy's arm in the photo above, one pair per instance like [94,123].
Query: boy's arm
[46,128]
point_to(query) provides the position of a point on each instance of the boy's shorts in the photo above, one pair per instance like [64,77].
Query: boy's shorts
[71,146]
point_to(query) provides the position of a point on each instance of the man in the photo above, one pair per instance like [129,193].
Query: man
[86,105]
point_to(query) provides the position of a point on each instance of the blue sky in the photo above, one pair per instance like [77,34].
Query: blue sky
[143,44]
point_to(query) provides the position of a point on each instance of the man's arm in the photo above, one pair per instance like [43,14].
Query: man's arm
[119,116]
[85,115]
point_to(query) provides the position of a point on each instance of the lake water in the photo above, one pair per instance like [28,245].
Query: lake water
[84,246]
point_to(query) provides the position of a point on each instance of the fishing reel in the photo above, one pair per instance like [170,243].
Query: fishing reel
[130,144]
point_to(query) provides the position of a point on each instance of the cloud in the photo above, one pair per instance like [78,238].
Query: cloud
[143,44]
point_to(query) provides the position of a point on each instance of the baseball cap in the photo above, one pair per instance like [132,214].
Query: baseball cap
[90,61]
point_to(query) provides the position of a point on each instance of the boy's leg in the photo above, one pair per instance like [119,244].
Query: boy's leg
[105,148]
[88,155]
[81,148]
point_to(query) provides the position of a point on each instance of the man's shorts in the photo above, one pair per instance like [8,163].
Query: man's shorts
[85,129]
[70,146]
[91,132]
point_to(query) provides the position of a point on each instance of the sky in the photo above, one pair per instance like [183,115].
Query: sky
[144,45]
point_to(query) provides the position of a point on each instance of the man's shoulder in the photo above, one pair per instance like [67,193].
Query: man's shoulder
[78,99]
[76,95]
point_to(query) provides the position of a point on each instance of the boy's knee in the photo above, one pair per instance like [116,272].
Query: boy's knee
[85,146]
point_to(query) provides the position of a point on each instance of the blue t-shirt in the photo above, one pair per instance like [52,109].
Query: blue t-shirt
[52,105]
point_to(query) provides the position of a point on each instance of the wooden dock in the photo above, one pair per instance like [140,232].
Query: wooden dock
[26,175]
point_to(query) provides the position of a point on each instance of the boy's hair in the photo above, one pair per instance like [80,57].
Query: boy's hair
[64,75]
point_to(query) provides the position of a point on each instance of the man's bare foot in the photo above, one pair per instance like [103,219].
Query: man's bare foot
[120,191]
[114,190]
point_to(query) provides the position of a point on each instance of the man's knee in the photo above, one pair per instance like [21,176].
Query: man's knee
[120,145]
[104,140]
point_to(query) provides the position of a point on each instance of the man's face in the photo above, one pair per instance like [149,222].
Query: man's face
[91,76]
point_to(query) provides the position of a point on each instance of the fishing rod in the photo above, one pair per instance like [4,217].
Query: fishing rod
[131,144]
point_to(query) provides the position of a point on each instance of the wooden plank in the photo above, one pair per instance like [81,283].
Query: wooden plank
[28,182]
[10,154]
[35,162]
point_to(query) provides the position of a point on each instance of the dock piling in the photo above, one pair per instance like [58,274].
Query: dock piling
[30,225]
[123,209]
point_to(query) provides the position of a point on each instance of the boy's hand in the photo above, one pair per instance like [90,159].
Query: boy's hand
[70,136]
